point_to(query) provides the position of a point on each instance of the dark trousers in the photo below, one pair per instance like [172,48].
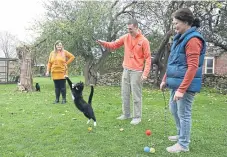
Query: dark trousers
[60,88]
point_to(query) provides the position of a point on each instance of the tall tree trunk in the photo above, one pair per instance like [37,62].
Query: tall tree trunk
[86,73]
[161,58]
[90,73]
[92,67]
[162,69]
[26,80]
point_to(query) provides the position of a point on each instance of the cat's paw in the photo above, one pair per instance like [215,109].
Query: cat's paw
[73,97]
[66,76]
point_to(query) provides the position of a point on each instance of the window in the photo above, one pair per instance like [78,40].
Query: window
[3,71]
[209,65]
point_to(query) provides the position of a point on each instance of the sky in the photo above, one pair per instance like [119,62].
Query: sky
[18,15]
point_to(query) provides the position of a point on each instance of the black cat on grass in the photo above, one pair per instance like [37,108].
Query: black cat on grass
[81,104]
[37,87]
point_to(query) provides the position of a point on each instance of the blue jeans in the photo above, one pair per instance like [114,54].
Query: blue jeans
[181,111]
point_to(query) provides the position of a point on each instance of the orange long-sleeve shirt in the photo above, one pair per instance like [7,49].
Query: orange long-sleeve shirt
[193,49]
[136,51]
[57,64]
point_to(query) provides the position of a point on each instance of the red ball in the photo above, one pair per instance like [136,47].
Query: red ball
[148,132]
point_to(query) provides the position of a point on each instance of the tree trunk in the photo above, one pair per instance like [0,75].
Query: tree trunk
[25,60]
[92,67]
[90,72]
[86,73]
[161,58]
[162,68]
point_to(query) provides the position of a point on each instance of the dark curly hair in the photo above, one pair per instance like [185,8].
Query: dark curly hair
[185,15]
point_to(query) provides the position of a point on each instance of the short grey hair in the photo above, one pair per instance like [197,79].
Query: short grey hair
[133,21]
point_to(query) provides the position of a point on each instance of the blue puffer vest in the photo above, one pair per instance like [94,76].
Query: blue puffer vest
[177,63]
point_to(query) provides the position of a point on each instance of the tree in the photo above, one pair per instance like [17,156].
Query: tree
[213,21]
[25,59]
[8,44]
[159,16]
[79,24]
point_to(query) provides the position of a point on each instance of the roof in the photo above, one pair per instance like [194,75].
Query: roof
[8,59]
[39,65]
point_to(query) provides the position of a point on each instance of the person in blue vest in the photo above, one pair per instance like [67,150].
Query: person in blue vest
[184,75]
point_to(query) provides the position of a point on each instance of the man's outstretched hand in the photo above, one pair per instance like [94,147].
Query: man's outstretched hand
[99,42]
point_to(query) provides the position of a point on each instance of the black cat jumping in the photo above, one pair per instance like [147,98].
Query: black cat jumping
[81,104]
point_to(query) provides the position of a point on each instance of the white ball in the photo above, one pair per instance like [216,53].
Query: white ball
[152,150]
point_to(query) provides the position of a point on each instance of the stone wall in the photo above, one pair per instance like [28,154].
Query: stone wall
[110,79]
[114,79]
[217,82]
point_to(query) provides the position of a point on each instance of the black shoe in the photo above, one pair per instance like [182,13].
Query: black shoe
[63,92]
[56,102]
[57,95]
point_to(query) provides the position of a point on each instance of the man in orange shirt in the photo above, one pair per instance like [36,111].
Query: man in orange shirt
[57,65]
[136,64]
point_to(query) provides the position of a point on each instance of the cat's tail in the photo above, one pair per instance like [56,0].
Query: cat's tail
[91,95]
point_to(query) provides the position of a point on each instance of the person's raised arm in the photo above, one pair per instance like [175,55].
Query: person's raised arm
[112,45]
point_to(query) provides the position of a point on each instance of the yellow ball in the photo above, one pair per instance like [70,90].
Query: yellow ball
[89,128]
[121,129]
[152,150]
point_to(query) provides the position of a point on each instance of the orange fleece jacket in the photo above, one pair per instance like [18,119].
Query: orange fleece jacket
[193,50]
[136,51]
[58,62]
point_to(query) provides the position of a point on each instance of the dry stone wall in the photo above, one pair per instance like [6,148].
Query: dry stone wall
[114,79]
[217,82]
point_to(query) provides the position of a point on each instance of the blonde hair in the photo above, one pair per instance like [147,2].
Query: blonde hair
[55,49]
[56,43]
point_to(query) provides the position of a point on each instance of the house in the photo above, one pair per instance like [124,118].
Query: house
[8,73]
[8,69]
[39,69]
[215,61]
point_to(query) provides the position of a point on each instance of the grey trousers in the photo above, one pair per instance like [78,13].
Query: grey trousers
[131,84]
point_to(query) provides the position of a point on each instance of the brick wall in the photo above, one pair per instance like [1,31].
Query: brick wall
[221,65]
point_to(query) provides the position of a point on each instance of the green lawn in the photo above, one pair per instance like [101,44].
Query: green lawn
[31,126]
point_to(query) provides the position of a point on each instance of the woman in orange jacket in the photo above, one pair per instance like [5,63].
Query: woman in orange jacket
[57,65]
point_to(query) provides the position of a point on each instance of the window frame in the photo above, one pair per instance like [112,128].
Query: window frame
[206,58]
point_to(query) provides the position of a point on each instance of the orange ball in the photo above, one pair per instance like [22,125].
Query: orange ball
[148,132]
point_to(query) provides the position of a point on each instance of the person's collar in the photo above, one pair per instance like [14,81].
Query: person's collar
[138,33]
